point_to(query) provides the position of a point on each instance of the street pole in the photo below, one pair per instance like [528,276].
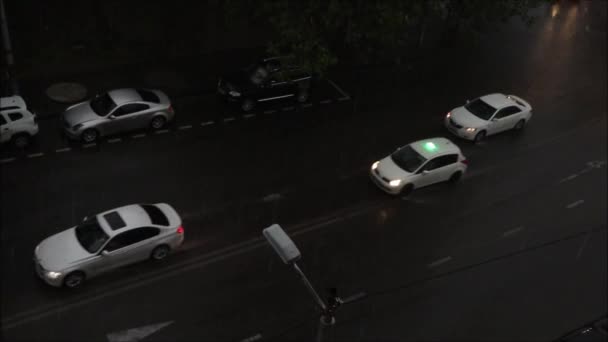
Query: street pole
[311,289]
[327,318]
[8,51]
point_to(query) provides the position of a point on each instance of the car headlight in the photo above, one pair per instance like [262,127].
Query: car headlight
[53,275]
[448,115]
[234,93]
[77,126]
[375,165]
[395,182]
[471,129]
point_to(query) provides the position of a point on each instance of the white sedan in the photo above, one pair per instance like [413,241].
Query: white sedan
[419,164]
[106,241]
[487,115]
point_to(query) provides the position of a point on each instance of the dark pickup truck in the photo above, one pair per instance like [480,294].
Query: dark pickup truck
[271,79]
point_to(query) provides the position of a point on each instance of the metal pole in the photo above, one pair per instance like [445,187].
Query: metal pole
[6,46]
[311,289]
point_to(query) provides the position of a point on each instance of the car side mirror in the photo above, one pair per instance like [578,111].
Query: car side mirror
[494,119]
[468,101]
[424,172]
[105,253]
[85,218]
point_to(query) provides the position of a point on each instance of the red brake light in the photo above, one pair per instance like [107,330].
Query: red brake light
[465,162]
[180,230]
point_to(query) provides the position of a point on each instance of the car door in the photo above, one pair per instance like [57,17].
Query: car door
[4,129]
[122,119]
[503,120]
[123,249]
[142,115]
[280,86]
[426,174]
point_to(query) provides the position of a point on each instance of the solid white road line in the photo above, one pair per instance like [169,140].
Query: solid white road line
[65,149]
[184,127]
[138,136]
[440,261]
[207,123]
[34,155]
[512,231]
[6,160]
[115,140]
[344,94]
[575,204]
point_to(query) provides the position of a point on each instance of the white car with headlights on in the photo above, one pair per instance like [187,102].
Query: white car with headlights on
[419,164]
[488,115]
[106,241]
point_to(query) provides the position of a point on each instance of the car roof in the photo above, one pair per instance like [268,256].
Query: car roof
[7,103]
[433,147]
[133,216]
[497,100]
[125,95]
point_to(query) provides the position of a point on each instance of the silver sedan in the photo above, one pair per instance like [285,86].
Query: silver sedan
[117,111]
[106,241]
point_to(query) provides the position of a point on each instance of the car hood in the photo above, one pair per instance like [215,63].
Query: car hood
[60,251]
[465,118]
[79,114]
[388,169]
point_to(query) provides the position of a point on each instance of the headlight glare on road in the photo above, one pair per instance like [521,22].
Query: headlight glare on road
[375,165]
[471,129]
[234,93]
[395,182]
[53,275]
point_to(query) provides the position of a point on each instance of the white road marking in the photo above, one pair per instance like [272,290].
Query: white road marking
[229,119]
[255,337]
[207,123]
[6,160]
[583,245]
[269,111]
[272,198]
[89,145]
[512,231]
[248,116]
[285,109]
[440,261]
[575,204]
[161,131]
[346,98]
[138,136]
[326,101]
[115,140]
[65,149]
[306,105]
[344,94]
[571,177]
[184,127]
[34,155]
[136,334]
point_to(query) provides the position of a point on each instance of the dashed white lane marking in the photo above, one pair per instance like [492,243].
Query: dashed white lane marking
[207,123]
[269,111]
[346,98]
[248,116]
[440,261]
[184,127]
[162,131]
[6,160]
[285,109]
[306,105]
[115,140]
[89,145]
[575,204]
[344,94]
[65,149]
[512,231]
[138,136]
[272,198]
[136,334]
[571,177]
[583,245]
[34,155]
[325,101]
[229,119]
[252,338]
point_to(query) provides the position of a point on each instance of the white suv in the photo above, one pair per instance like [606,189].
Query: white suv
[17,123]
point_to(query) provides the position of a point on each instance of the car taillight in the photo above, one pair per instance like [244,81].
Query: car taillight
[170,109]
[465,162]
[180,230]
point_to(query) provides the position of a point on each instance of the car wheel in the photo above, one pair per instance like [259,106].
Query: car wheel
[302,96]
[90,135]
[406,190]
[480,136]
[455,177]
[158,122]
[520,125]
[73,280]
[247,105]
[21,140]
[160,252]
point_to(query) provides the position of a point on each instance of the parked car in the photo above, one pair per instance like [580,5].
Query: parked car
[117,111]
[17,124]
[270,79]
[596,331]
[106,241]
[488,115]
[419,164]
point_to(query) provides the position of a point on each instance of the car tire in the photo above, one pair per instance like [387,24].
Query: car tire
[21,140]
[89,135]
[158,122]
[159,253]
[480,136]
[302,96]
[519,125]
[74,280]
[247,105]
[455,177]
[406,190]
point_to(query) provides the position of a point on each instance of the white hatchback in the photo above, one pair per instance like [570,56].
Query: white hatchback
[487,115]
[17,124]
[419,164]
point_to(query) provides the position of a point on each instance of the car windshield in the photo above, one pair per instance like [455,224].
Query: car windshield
[90,235]
[257,74]
[480,109]
[102,104]
[407,158]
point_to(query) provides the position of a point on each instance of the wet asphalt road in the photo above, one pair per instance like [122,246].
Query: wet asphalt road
[519,245]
